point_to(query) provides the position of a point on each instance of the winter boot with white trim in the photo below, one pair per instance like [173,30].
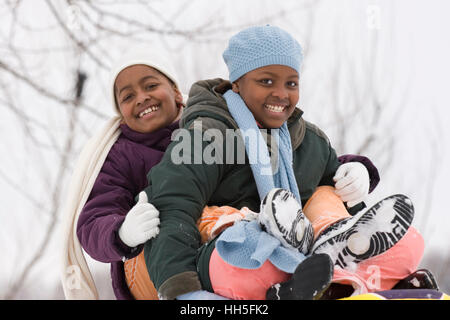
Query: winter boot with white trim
[368,233]
[281,216]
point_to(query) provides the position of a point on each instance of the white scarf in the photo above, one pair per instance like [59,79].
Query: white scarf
[76,277]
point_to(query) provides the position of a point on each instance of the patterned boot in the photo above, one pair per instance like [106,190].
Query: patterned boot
[367,234]
[281,216]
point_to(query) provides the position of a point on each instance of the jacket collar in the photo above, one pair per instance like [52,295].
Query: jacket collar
[159,139]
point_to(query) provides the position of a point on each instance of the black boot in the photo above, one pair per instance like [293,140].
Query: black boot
[421,279]
[337,291]
[311,278]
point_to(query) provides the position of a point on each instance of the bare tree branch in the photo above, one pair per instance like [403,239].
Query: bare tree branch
[79,43]
[62,171]
[46,93]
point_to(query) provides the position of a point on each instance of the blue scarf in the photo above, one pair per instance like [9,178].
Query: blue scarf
[260,161]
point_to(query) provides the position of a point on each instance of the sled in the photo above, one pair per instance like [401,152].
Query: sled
[402,294]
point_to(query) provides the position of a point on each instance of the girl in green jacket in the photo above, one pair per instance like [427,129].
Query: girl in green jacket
[245,262]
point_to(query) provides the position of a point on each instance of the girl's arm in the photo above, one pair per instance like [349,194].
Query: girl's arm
[179,191]
[112,196]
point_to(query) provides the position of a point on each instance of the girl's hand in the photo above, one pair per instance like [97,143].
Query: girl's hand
[140,224]
[352,183]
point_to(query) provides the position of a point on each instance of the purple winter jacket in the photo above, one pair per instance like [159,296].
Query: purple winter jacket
[122,177]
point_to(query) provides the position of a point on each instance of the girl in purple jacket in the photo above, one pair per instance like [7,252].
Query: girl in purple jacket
[112,227]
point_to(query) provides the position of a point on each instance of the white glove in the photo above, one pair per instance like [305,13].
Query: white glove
[140,224]
[352,183]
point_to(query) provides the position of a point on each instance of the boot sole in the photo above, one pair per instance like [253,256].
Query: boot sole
[382,226]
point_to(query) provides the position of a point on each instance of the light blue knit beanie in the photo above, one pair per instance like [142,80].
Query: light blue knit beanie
[256,47]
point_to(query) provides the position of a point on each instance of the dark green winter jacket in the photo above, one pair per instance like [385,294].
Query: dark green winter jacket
[176,261]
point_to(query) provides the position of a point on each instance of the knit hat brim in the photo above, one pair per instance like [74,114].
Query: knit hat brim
[262,62]
[141,56]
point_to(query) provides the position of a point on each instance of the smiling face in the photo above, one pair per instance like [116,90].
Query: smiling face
[147,100]
[271,93]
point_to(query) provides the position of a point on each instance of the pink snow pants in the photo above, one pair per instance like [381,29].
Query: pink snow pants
[378,273]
